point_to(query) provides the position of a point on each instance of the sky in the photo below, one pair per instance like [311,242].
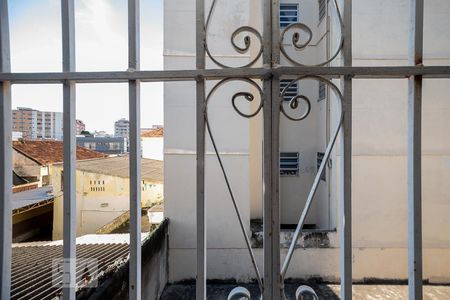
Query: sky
[101,45]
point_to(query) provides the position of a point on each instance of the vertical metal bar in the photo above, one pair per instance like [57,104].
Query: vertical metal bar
[5,156]
[271,208]
[415,154]
[69,205]
[267,150]
[135,151]
[275,152]
[200,115]
[346,161]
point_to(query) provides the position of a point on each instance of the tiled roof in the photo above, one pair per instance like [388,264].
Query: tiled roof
[154,133]
[32,267]
[151,170]
[47,152]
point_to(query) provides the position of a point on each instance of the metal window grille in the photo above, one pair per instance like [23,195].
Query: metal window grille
[322,9]
[292,90]
[269,74]
[288,14]
[289,163]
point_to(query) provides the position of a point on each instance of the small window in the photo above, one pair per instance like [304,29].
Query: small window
[322,9]
[289,163]
[320,156]
[292,90]
[288,14]
[322,91]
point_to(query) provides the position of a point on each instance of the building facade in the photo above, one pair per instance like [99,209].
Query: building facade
[152,143]
[379,196]
[35,124]
[103,191]
[122,128]
[104,144]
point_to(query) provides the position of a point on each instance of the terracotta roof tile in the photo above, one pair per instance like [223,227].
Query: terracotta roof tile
[154,133]
[47,152]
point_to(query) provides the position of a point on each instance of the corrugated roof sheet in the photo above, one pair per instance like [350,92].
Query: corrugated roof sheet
[47,152]
[32,267]
[154,133]
[151,170]
[31,197]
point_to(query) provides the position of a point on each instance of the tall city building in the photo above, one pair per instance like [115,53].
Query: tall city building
[122,128]
[35,124]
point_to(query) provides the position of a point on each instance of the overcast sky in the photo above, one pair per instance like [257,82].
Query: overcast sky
[101,45]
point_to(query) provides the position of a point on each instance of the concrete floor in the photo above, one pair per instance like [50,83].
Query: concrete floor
[360,292]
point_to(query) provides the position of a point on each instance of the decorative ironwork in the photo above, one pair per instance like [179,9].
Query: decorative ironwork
[294,104]
[248,96]
[324,162]
[295,42]
[234,36]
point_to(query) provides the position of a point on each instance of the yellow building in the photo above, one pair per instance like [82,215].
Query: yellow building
[103,191]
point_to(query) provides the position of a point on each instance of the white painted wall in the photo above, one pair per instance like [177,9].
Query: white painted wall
[97,208]
[153,147]
[379,162]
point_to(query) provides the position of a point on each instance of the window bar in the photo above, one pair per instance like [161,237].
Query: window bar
[275,152]
[271,93]
[69,205]
[5,156]
[415,154]
[135,151]
[200,117]
[346,161]
[267,136]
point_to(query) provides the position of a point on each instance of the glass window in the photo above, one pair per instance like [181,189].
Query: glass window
[288,14]
[289,163]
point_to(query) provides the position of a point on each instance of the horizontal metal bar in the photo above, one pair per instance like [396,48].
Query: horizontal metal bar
[216,74]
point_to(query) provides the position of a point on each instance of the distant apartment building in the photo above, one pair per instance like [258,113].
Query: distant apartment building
[80,126]
[35,124]
[104,144]
[122,128]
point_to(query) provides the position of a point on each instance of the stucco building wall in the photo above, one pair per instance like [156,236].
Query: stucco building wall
[100,199]
[380,38]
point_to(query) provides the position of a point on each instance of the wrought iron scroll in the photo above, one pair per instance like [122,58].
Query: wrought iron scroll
[295,42]
[325,160]
[250,97]
[234,36]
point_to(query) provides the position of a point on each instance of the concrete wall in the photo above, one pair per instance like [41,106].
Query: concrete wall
[231,132]
[95,208]
[26,167]
[379,140]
